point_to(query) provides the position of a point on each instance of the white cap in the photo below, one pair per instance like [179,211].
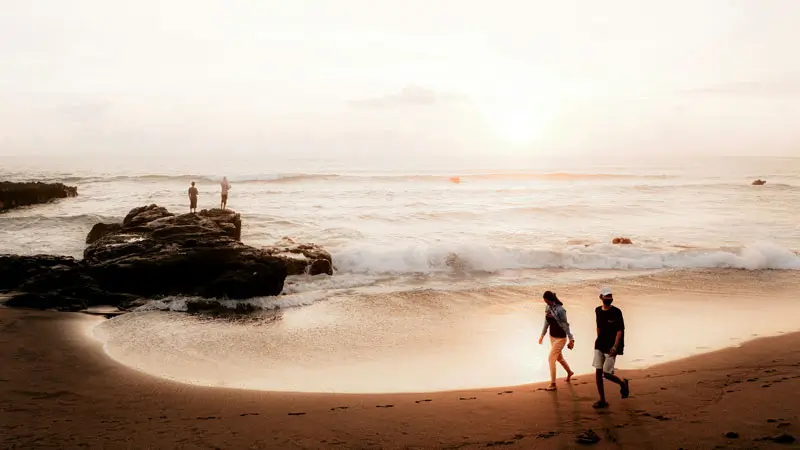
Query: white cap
[605,292]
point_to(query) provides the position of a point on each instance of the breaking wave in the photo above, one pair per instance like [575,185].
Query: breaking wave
[420,258]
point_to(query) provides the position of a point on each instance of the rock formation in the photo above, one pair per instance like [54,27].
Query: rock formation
[621,241]
[300,259]
[13,195]
[759,182]
[155,253]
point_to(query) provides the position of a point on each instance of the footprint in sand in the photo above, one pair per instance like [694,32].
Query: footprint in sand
[336,408]
[467,398]
[547,435]
[207,418]
[505,392]
[297,414]
[384,406]
[248,414]
[424,401]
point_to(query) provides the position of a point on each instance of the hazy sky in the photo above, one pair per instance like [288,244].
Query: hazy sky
[375,76]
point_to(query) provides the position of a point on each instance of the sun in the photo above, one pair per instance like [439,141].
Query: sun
[516,124]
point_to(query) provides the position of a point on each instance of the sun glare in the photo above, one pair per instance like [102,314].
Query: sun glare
[513,124]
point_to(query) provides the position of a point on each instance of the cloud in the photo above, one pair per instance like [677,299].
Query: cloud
[408,96]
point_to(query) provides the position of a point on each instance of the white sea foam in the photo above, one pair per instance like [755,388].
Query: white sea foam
[422,258]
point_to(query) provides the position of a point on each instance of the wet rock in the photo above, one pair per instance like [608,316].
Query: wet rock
[100,230]
[15,270]
[218,307]
[156,253]
[13,195]
[300,259]
[732,435]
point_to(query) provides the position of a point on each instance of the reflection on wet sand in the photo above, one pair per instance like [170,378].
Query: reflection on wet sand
[426,341]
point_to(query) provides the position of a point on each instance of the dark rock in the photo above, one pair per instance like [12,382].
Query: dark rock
[216,307]
[732,435]
[588,437]
[74,298]
[13,195]
[100,230]
[783,439]
[759,182]
[15,270]
[300,259]
[779,439]
[621,241]
[145,214]
[155,253]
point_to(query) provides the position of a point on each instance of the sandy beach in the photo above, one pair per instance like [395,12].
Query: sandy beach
[58,389]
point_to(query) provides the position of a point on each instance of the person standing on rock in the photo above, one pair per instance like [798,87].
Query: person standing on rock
[193,198]
[225,187]
[610,342]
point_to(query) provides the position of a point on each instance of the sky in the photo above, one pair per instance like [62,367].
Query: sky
[398,78]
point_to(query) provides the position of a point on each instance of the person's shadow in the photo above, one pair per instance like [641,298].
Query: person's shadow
[567,412]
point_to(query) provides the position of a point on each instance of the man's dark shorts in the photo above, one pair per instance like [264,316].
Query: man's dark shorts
[193,203]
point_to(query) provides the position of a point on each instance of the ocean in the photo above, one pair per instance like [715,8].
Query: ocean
[445,240]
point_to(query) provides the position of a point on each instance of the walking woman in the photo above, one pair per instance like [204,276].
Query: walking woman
[555,319]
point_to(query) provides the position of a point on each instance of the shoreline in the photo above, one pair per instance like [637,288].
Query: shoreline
[443,342]
[54,374]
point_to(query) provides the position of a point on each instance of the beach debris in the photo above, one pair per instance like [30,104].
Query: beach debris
[587,437]
[621,241]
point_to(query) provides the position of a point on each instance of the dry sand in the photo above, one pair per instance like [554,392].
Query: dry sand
[58,389]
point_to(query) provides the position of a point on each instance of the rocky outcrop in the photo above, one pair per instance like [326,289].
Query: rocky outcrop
[621,241]
[302,259]
[759,182]
[155,252]
[53,282]
[15,270]
[13,195]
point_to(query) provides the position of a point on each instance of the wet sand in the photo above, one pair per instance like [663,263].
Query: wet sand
[58,389]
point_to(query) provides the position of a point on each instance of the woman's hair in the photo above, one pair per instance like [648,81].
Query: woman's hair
[551,297]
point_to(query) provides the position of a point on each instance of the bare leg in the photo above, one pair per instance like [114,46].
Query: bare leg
[600,390]
[565,365]
[624,390]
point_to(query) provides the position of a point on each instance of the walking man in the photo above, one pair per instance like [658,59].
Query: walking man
[610,342]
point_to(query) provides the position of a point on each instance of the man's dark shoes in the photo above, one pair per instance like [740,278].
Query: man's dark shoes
[600,404]
[625,390]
